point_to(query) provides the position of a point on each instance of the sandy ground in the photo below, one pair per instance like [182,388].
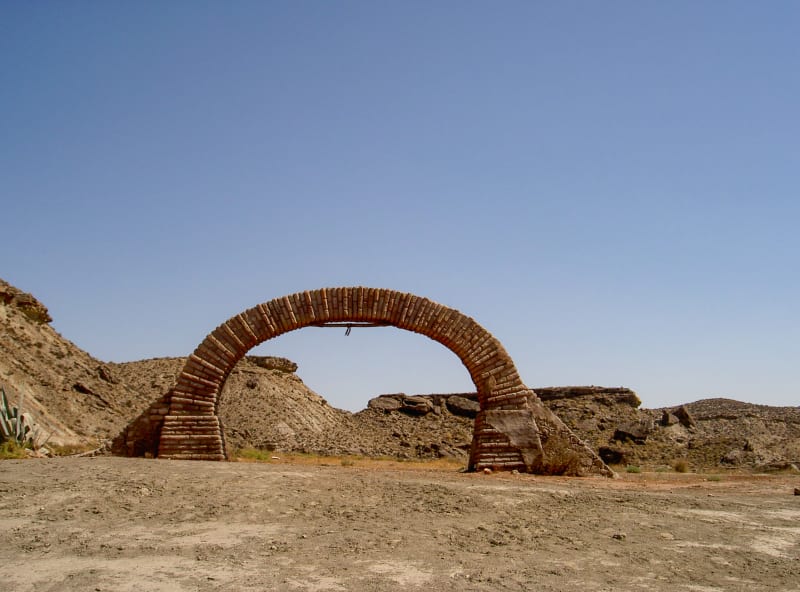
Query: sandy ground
[114,524]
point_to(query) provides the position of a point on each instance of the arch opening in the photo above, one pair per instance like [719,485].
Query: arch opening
[349,371]
[513,429]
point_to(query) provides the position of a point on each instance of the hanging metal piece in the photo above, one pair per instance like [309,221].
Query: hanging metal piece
[349,326]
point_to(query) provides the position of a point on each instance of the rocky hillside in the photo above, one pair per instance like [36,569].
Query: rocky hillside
[707,434]
[79,399]
[75,398]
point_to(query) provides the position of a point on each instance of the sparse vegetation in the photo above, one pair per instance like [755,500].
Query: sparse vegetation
[562,460]
[254,455]
[566,462]
[633,469]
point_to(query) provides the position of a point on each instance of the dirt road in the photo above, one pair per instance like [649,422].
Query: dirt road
[114,524]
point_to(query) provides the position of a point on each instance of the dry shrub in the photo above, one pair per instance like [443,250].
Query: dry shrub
[681,465]
[567,463]
[561,458]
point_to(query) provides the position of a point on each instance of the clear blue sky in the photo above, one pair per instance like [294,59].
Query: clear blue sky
[611,188]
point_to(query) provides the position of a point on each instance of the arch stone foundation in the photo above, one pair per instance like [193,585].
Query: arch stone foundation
[513,429]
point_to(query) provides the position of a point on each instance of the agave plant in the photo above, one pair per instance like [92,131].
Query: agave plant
[15,425]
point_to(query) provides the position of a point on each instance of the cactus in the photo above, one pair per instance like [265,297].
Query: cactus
[15,425]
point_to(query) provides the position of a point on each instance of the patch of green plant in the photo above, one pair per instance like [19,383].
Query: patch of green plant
[713,478]
[256,454]
[633,469]
[10,449]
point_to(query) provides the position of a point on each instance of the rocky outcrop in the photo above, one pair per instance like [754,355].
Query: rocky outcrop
[24,302]
[461,404]
[600,394]
[273,363]
[411,405]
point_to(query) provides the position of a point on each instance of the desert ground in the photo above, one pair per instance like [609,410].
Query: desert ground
[118,524]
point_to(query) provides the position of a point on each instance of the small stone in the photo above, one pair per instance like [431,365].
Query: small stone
[797,490]
[515,472]
[487,471]
[619,536]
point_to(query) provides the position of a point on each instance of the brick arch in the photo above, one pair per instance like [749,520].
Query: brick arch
[513,430]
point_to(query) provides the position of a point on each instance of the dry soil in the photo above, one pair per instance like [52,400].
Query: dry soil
[154,525]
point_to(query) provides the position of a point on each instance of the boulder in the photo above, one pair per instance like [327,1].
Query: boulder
[462,406]
[636,432]
[386,403]
[668,419]
[416,405]
[683,415]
